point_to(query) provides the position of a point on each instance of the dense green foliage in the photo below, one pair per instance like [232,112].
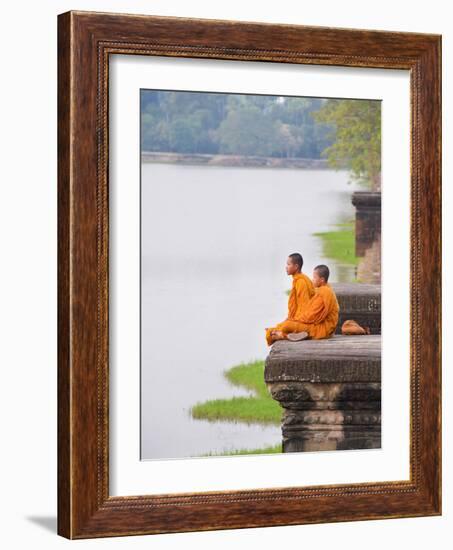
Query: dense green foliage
[346,131]
[356,137]
[237,124]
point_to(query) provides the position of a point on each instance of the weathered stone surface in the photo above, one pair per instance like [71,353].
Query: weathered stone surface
[330,392]
[361,302]
[369,266]
[367,219]
[336,359]
[307,395]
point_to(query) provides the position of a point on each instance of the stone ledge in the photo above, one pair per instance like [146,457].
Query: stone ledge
[329,391]
[336,359]
[367,199]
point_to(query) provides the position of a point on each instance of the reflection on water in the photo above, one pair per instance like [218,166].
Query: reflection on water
[214,247]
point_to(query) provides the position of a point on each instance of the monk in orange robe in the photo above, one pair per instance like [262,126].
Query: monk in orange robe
[301,292]
[320,316]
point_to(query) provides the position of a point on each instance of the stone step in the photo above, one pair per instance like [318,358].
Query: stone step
[330,392]
[361,302]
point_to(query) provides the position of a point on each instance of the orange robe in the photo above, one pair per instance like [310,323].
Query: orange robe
[319,318]
[301,293]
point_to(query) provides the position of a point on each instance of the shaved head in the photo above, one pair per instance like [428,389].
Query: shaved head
[323,271]
[297,259]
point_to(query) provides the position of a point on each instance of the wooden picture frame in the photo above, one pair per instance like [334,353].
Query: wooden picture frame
[85,41]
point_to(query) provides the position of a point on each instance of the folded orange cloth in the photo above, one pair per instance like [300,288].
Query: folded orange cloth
[352,327]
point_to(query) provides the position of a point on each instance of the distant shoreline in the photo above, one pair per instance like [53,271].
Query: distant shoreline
[233,160]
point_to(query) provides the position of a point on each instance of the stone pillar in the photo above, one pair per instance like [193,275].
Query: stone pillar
[330,391]
[367,220]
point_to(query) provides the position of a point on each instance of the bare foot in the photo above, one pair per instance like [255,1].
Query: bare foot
[278,335]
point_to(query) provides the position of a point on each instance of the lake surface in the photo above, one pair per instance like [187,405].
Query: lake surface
[214,246]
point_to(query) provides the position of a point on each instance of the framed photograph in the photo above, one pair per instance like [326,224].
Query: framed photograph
[249,253]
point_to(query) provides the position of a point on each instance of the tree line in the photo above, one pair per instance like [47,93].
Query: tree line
[214,123]
[345,131]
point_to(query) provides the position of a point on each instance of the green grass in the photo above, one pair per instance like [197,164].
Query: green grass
[265,450]
[340,245]
[258,408]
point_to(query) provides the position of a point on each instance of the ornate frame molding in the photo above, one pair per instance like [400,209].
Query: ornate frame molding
[85,41]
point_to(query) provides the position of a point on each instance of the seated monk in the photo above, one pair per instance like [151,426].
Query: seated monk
[301,292]
[319,318]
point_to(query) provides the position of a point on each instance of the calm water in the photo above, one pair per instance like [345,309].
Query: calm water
[214,247]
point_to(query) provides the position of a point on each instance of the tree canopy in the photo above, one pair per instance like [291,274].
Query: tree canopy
[356,137]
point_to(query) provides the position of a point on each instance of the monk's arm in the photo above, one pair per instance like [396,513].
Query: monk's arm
[315,312]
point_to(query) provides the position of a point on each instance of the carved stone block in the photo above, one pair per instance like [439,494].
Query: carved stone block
[330,392]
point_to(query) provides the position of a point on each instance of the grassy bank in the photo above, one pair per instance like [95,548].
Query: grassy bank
[264,451]
[339,245]
[259,407]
